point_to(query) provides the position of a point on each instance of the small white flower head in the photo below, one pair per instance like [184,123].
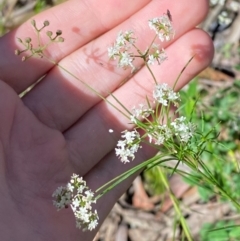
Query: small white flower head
[129,146]
[157,55]
[234,5]
[62,198]
[130,136]
[125,60]
[113,52]
[80,198]
[121,50]
[163,94]
[162,27]
[224,19]
[183,129]
[142,112]
[159,134]
[123,39]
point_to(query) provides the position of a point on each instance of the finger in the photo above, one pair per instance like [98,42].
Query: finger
[51,106]
[91,132]
[81,21]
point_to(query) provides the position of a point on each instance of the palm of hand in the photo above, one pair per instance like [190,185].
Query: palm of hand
[35,162]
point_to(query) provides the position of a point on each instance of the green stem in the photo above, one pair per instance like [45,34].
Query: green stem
[176,206]
[180,74]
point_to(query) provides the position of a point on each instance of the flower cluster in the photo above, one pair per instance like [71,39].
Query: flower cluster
[129,146]
[180,128]
[183,129]
[164,95]
[142,112]
[121,49]
[38,50]
[157,131]
[162,27]
[165,129]
[156,55]
[80,198]
[159,134]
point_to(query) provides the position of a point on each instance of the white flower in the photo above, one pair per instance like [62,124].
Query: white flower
[158,55]
[133,119]
[126,153]
[70,187]
[163,94]
[162,27]
[224,19]
[130,136]
[92,225]
[151,60]
[183,129]
[160,140]
[62,196]
[113,52]
[121,50]
[173,96]
[80,198]
[142,112]
[159,134]
[89,195]
[128,147]
[121,144]
[80,189]
[124,38]
[76,202]
[120,41]
[125,60]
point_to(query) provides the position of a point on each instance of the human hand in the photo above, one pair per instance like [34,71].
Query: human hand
[60,127]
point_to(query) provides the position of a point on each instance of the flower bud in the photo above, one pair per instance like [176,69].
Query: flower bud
[33,22]
[28,40]
[46,23]
[60,39]
[59,32]
[49,33]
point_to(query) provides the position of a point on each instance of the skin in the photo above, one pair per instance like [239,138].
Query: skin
[61,127]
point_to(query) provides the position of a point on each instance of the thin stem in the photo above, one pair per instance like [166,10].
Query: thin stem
[149,69]
[181,72]
[89,87]
[176,206]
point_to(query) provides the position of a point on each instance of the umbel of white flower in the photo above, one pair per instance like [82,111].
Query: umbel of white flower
[162,27]
[127,148]
[163,94]
[121,49]
[125,51]
[80,198]
[158,133]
